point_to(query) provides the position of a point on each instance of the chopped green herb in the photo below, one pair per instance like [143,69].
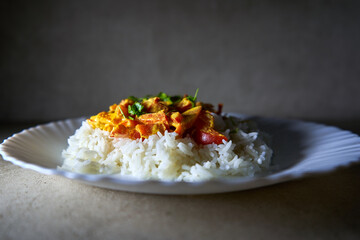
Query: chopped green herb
[122,112]
[193,99]
[135,99]
[170,99]
[136,109]
[164,97]
[175,99]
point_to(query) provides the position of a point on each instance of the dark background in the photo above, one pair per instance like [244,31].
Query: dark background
[294,59]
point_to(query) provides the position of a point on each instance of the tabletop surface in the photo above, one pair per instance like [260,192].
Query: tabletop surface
[36,206]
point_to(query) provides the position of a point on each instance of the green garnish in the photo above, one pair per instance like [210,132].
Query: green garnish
[122,112]
[193,99]
[170,99]
[136,109]
[164,97]
[175,98]
[135,99]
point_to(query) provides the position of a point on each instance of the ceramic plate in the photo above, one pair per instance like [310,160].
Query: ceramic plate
[300,148]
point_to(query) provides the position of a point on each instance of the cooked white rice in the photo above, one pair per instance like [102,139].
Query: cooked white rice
[164,157]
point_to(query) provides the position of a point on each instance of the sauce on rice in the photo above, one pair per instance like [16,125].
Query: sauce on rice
[139,118]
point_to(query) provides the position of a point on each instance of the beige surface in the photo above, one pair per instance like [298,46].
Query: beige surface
[36,206]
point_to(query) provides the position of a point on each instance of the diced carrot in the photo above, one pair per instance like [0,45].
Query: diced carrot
[153,105]
[183,105]
[175,121]
[190,116]
[126,102]
[149,129]
[153,118]
[133,134]
[119,131]
[112,107]
[143,129]
[129,123]
[176,117]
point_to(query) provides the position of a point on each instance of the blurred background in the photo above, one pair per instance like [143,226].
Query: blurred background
[288,59]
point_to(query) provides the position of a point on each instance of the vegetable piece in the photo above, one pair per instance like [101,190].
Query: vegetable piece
[152,123]
[175,123]
[141,117]
[204,132]
[208,136]
[155,118]
[183,105]
[122,111]
[193,99]
[175,98]
[190,116]
[146,130]
[102,120]
[113,107]
[119,131]
[135,99]
[164,97]
[129,123]
[205,120]
[136,109]
[153,105]
[133,134]
[169,100]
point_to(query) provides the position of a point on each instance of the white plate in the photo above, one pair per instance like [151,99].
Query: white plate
[300,148]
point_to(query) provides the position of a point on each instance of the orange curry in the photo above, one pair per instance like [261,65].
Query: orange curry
[136,118]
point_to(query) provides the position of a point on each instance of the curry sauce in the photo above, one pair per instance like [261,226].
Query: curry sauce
[139,118]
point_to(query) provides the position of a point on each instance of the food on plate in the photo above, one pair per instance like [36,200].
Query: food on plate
[162,137]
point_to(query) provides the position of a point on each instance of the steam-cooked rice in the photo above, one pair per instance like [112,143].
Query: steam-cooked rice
[164,157]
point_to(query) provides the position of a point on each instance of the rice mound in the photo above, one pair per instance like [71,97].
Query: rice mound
[163,157]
